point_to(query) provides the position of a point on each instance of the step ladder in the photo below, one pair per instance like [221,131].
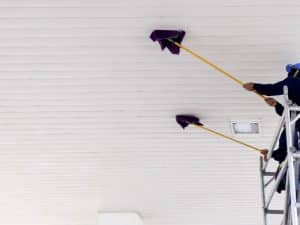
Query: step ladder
[289,211]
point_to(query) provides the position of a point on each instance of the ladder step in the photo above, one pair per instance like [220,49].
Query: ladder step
[295,108]
[270,211]
[296,155]
[269,174]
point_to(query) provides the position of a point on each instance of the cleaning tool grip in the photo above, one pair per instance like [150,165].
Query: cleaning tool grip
[201,58]
[227,137]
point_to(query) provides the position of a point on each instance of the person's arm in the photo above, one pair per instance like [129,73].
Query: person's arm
[278,107]
[271,89]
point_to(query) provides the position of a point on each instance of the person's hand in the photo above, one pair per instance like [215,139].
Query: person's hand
[271,101]
[264,153]
[249,86]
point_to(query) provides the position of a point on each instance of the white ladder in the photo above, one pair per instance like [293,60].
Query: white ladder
[290,165]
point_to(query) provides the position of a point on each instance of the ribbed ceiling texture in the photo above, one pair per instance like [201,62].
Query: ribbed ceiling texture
[88,105]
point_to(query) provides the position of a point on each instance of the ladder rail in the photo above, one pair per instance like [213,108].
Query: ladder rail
[266,201]
[263,193]
[290,159]
[277,181]
[286,203]
[274,141]
[290,167]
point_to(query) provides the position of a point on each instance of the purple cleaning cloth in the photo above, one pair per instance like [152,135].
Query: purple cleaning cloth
[185,120]
[164,36]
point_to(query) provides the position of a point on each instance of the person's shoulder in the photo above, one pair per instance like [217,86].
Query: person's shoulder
[295,79]
[292,79]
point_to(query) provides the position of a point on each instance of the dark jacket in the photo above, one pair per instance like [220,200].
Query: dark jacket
[293,84]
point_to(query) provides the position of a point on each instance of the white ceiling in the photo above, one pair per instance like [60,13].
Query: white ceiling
[87,106]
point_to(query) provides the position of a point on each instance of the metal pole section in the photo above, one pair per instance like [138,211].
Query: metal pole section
[286,202]
[296,164]
[279,178]
[269,182]
[274,141]
[291,171]
[295,108]
[295,119]
[263,196]
[292,188]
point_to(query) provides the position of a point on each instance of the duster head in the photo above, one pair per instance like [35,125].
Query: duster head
[166,38]
[185,120]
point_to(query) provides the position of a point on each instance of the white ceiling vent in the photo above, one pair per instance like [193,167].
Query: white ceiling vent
[245,127]
[119,218]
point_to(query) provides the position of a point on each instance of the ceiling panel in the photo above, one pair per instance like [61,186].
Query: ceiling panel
[87,107]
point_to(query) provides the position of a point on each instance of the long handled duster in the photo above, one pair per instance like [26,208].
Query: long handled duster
[185,120]
[172,39]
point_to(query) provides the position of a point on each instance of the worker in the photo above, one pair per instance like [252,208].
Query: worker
[293,84]
[280,154]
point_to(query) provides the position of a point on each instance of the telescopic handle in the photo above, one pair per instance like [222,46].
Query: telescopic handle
[201,58]
[227,137]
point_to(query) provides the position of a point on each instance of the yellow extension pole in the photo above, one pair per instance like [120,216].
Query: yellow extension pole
[201,58]
[227,137]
